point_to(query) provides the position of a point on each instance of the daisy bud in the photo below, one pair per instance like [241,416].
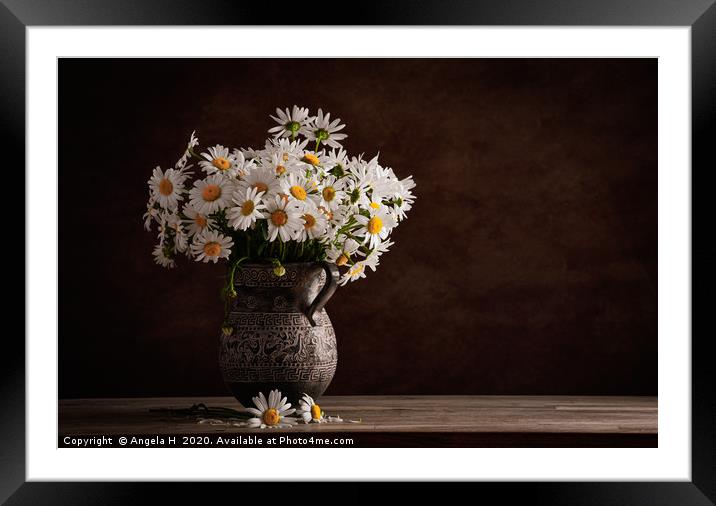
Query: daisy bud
[279,270]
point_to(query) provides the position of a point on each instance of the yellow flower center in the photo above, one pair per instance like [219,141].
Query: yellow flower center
[316,412]
[221,163]
[279,218]
[212,249]
[271,417]
[374,205]
[211,192]
[298,192]
[166,187]
[285,157]
[311,158]
[343,259]
[375,225]
[247,208]
[200,221]
[329,193]
[356,269]
[280,169]
[310,221]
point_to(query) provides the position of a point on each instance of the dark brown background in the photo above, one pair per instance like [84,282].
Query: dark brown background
[527,266]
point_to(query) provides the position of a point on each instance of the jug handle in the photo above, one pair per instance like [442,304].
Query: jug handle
[332,276]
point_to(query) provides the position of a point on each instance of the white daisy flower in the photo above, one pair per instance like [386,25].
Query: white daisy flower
[211,194]
[289,150]
[376,228]
[375,205]
[375,171]
[251,153]
[181,242]
[273,412]
[151,214]
[342,256]
[289,122]
[181,164]
[219,161]
[279,166]
[364,173]
[331,193]
[210,246]
[357,270]
[309,411]
[193,141]
[167,187]
[196,222]
[262,179]
[337,161]
[162,227]
[337,218]
[310,160]
[357,194]
[322,130]
[243,165]
[404,197]
[383,188]
[381,248]
[162,258]
[406,185]
[283,217]
[181,238]
[315,223]
[248,208]
[296,186]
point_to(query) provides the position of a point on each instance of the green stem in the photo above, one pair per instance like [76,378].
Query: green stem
[229,290]
[232,272]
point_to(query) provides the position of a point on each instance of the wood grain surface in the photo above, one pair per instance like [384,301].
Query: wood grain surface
[385,414]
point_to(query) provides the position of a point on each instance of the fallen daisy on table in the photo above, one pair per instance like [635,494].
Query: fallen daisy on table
[272,413]
[309,411]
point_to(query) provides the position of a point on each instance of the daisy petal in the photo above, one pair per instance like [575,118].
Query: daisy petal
[254,411]
[262,398]
[260,403]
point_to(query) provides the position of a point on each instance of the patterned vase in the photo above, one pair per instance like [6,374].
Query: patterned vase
[280,337]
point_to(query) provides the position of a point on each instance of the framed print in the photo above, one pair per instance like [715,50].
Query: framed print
[458,239]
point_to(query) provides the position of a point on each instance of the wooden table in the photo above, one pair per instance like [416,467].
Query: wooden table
[395,421]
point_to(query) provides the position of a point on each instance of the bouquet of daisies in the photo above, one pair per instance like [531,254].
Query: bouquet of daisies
[292,201]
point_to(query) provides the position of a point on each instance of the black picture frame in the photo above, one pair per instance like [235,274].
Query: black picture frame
[700,15]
